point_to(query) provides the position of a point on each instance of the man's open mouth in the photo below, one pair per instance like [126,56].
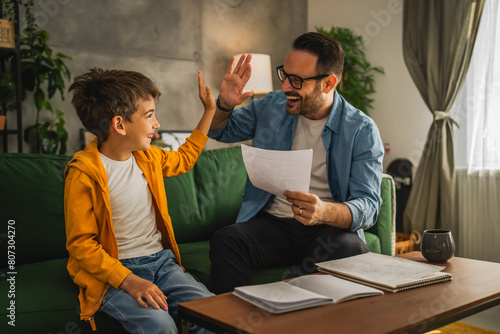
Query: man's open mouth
[293,99]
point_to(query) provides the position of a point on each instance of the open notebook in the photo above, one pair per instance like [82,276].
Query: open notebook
[303,292]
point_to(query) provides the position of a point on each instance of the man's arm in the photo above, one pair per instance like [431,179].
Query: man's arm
[231,90]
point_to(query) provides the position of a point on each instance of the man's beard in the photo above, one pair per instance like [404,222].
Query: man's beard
[310,104]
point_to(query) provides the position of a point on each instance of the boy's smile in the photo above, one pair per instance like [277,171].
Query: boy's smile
[140,131]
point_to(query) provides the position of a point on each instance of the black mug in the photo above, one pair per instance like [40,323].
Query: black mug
[437,245]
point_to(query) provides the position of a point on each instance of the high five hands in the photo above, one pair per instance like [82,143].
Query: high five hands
[231,90]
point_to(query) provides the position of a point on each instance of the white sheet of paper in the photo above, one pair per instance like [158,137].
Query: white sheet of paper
[278,171]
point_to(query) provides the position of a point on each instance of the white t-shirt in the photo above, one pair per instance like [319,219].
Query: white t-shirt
[134,219]
[307,136]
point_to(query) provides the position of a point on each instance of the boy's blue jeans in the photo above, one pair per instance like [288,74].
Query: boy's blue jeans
[178,286]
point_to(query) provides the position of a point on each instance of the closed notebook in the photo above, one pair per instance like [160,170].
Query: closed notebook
[303,292]
[385,272]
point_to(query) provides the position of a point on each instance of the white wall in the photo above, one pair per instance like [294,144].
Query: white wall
[399,111]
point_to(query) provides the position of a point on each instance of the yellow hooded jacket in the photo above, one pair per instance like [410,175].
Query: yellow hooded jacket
[93,250]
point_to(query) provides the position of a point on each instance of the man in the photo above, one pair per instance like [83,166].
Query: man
[326,223]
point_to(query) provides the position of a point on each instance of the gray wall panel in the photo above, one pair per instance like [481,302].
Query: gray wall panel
[167,40]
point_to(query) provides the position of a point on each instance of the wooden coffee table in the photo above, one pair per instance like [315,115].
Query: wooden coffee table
[474,288]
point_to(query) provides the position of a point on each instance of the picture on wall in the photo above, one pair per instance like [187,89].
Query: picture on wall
[85,138]
[172,139]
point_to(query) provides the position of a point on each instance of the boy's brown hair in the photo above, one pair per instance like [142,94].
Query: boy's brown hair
[99,95]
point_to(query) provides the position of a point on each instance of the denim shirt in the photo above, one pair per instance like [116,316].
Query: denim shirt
[352,142]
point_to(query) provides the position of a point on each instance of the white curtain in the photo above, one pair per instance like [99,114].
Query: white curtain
[477,107]
[478,197]
[477,145]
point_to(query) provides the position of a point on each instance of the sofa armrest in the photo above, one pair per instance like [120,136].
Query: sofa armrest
[385,228]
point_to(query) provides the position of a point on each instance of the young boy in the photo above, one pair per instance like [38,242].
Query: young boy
[122,250]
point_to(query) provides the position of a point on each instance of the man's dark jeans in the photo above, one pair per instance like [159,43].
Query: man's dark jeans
[266,241]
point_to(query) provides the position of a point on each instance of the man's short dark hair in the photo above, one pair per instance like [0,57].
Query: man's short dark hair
[329,52]
[99,95]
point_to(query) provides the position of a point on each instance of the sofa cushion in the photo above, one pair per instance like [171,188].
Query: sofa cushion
[385,228]
[36,206]
[47,299]
[208,197]
[195,258]
[373,242]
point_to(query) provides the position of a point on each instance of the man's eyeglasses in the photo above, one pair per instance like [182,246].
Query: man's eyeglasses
[295,81]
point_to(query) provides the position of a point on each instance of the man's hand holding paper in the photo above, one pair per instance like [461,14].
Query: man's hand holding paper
[307,208]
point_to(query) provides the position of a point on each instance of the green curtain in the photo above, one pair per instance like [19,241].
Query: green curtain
[438,38]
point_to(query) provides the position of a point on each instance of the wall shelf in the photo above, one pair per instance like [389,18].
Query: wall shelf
[15,54]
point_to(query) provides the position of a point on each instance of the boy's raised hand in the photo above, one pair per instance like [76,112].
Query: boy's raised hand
[205,94]
[208,101]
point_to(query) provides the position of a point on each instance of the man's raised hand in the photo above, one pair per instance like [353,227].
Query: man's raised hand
[231,90]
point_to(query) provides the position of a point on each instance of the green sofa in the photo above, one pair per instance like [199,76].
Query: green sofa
[37,294]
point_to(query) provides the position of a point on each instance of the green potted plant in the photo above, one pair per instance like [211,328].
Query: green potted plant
[43,73]
[357,83]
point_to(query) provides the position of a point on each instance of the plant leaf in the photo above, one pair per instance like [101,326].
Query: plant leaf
[49,142]
[358,80]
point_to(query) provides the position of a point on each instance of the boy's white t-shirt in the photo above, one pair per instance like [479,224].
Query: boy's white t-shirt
[307,136]
[134,219]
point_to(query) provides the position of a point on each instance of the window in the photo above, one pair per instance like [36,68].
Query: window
[477,106]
